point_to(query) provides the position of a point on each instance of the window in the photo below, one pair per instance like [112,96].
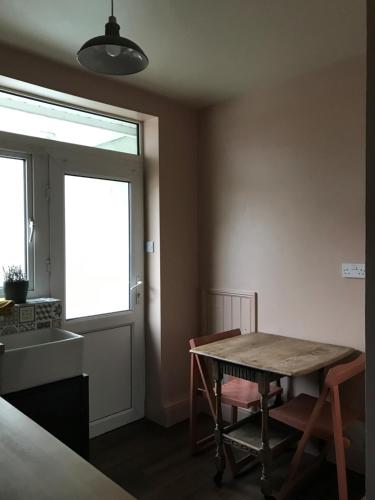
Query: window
[28,201]
[16,218]
[97,249]
[26,116]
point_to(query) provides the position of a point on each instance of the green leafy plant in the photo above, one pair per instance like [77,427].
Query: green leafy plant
[14,273]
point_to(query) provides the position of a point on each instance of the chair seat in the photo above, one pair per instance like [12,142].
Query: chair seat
[242,393]
[297,412]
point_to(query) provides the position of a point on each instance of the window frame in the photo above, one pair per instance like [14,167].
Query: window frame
[80,108]
[37,151]
[19,146]
[28,181]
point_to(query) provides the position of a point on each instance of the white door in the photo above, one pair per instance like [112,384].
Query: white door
[96,227]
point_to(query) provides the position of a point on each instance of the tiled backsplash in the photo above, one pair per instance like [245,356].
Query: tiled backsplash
[33,315]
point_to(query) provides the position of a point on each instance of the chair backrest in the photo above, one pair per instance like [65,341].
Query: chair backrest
[335,376]
[233,308]
[208,339]
[199,366]
[343,372]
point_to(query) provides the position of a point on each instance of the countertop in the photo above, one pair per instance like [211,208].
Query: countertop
[36,466]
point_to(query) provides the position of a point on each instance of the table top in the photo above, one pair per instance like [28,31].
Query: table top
[36,466]
[275,353]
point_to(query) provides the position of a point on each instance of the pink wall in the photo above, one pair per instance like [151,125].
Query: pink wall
[282,199]
[282,205]
[171,184]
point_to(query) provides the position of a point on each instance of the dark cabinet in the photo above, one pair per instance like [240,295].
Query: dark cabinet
[61,408]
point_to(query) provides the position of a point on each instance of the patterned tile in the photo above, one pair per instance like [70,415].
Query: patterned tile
[43,324]
[26,314]
[8,330]
[26,327]
[35,314]
[9,319]
[42,312]
[56,323]
[56,310]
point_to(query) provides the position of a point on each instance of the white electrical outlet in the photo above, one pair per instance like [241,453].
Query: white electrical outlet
[353,271]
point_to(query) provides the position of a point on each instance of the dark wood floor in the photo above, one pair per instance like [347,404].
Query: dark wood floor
[154,463]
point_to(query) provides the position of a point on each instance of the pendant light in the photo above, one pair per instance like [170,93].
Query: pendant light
[112,54]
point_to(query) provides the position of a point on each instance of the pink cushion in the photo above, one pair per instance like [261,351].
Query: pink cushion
[242,393]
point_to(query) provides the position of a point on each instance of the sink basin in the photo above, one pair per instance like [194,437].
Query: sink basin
[39,357]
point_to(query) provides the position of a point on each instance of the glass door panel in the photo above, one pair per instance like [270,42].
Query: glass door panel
[96,246]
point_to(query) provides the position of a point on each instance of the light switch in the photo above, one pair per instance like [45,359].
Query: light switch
[353,271]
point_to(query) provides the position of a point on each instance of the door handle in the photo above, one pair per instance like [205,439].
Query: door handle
[138,294]
[31,229]
[139,283]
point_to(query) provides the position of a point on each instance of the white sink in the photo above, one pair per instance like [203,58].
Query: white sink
[39,357]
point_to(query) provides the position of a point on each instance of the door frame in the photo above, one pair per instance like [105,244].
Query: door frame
[115,166]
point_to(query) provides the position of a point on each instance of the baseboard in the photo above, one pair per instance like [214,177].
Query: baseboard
[107,424]
[176,412]
[170,413]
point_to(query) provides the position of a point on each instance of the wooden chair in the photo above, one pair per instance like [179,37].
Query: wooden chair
[236,393]
[322,419]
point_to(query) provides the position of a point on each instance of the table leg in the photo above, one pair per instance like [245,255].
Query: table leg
[264,389]
[218,432]
[279,399]
[321,378]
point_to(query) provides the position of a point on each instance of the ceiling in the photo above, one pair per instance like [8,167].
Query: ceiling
[200,51]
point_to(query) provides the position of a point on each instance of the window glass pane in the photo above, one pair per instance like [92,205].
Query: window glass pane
[26,116]
[13,216]
[96,246]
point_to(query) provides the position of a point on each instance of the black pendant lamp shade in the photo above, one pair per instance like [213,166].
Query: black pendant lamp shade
[112,54]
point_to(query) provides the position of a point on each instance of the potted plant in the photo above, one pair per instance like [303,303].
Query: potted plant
[16,285]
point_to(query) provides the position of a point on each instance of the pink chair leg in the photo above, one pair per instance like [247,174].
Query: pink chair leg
[306,435]
[297,458]
[339,444]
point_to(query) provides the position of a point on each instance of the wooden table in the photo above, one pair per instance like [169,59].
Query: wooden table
[262,358]
[36,466]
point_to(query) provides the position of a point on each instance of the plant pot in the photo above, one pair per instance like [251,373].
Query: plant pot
[16,291]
